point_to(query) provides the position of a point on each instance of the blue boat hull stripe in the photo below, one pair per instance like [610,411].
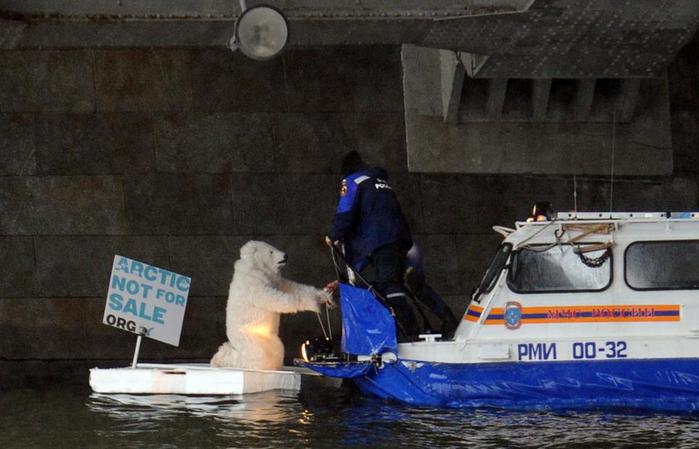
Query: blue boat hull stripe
[658,384]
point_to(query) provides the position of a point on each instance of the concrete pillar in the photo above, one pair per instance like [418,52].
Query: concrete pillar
[497,89]
[583,98]
[629,98]
[452,75]
[541,91]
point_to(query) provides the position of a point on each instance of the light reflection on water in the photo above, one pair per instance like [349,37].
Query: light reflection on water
[69,417]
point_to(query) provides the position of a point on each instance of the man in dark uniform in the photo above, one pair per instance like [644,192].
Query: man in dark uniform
[370,223]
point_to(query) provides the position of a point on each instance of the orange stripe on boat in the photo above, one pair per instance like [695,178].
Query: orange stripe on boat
[591,314]
[473,313]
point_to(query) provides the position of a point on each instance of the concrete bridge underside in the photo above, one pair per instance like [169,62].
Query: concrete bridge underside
[491,86]
[506,38]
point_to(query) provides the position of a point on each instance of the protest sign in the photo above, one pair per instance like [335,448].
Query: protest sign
[146,300]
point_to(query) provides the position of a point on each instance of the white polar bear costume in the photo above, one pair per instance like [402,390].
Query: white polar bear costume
[258,295]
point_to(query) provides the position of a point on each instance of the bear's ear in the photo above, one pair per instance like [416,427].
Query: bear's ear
[248,249]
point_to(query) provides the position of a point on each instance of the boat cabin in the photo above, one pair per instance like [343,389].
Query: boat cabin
[585,285]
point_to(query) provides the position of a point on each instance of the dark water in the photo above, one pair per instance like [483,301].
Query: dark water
[76,418]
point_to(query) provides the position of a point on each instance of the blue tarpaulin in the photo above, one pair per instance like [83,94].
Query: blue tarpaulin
[367,325]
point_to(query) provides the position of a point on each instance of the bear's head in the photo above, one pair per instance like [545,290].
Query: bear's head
[263,255]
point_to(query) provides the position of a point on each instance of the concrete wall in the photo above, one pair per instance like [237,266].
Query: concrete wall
[177,157]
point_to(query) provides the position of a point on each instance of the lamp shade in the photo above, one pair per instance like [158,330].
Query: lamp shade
[261,32]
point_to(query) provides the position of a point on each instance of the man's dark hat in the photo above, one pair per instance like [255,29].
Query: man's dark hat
[352,162]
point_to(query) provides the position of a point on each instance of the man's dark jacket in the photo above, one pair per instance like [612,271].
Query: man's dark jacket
[368,216]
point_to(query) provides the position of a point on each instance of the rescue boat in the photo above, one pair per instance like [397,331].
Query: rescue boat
[587,310]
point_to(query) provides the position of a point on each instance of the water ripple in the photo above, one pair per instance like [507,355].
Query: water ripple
[337,418]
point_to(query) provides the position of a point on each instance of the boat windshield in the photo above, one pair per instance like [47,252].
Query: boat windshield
[493,271]
[561,268]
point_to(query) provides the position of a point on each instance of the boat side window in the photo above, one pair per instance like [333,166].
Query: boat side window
[493,272]
[662,265]
[559,269]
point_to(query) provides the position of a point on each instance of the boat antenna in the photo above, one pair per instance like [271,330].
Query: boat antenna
[575,195]
[611,185]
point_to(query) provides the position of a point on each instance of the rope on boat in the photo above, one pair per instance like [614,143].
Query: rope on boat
[325,334]
[337,254]
[579,248]
[327,315]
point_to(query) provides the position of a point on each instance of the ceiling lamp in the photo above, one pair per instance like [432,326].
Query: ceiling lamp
[261,32]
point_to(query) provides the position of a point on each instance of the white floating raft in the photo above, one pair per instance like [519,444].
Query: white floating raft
[150,378]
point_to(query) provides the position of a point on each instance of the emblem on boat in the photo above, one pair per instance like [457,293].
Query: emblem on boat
[513,315]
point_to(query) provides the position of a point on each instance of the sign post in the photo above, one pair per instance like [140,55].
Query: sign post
[134,364]
[146,300]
